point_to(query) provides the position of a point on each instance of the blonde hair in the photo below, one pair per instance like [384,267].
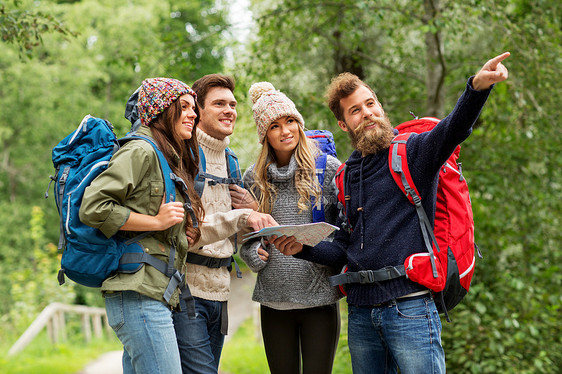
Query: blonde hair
[305,179]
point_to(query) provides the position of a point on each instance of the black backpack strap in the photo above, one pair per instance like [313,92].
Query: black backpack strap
[214,262]
[60,192]
[217,180]
[187,204]
[176,278]
[210,262]
[233,173]
[368,276]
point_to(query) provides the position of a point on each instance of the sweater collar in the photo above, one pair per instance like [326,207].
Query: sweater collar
[210,143]
[212,147]
[284,172]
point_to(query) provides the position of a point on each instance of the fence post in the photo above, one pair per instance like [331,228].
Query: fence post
[62,325]
[96,322]
[86,327]
[53,318]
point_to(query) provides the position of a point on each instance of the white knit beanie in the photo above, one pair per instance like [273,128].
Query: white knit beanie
[270,105]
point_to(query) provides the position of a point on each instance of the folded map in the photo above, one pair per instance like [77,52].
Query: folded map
[307,234]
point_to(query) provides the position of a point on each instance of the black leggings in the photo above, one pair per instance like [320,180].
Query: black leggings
[312,333]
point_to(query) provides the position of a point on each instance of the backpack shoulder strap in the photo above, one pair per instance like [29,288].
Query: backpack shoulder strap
[398,165]
[318,214]
[342,193]
[232,166]
[170,191]
[200,177]
[321,162]
[234,176]
[169,177]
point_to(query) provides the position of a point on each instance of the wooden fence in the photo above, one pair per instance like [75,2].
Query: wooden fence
[53,317]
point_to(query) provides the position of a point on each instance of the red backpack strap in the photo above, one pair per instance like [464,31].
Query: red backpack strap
[343,196]
[398,165]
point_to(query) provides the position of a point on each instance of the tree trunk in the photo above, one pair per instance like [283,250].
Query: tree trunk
[344,59]
[435,61]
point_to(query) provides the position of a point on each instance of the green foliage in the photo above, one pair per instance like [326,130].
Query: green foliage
[244,353]
[26,27]
[35,277]
[42,357]
[196,36]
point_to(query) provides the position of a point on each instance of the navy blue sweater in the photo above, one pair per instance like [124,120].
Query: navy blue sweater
[389,227]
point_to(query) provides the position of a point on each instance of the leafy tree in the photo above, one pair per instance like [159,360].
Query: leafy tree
[196,38]
[25,27]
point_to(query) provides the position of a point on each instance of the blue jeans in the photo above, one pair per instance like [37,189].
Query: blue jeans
[405,334]
[200,340]
[145,328]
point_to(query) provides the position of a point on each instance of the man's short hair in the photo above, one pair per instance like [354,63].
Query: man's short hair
[341,87]
[203,85]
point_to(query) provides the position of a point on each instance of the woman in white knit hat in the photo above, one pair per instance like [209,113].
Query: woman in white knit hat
[299,309]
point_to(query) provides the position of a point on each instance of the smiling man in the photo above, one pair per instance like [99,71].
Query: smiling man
[393,322]
[200,340]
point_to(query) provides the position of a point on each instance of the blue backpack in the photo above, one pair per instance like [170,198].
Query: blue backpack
[325,141]
[89,257]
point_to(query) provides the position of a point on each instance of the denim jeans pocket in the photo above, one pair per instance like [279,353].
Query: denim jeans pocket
[114,310]
[413,309]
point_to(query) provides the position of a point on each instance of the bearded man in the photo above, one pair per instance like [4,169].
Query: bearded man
[392,324]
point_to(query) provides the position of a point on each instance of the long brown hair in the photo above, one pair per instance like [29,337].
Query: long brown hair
[182,155]
[305,179]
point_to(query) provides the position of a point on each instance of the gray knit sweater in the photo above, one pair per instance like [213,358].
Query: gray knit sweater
[285,282]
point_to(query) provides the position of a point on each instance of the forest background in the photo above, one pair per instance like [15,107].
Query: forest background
[61,60]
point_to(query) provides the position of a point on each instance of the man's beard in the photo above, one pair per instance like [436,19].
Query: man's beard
[374,140]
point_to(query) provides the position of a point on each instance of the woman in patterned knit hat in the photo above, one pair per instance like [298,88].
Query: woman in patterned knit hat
[128,198]
[299,309]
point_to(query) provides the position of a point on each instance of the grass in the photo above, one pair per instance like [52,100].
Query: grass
[42,357]
[245,354]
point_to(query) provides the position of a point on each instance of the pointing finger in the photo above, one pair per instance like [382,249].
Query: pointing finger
[496,60]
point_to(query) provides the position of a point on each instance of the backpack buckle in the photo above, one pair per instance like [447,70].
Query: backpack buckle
[366,276]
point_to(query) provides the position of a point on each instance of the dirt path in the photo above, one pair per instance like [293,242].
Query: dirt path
[240,308]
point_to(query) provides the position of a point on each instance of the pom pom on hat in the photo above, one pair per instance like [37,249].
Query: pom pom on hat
[258,89]
[270,105]
[157,94]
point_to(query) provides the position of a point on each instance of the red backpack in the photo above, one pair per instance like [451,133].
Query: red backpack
[448,265]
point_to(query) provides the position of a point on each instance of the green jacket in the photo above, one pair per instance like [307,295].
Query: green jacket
[133,182]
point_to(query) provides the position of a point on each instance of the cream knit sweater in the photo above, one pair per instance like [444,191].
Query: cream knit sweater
[222,222]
